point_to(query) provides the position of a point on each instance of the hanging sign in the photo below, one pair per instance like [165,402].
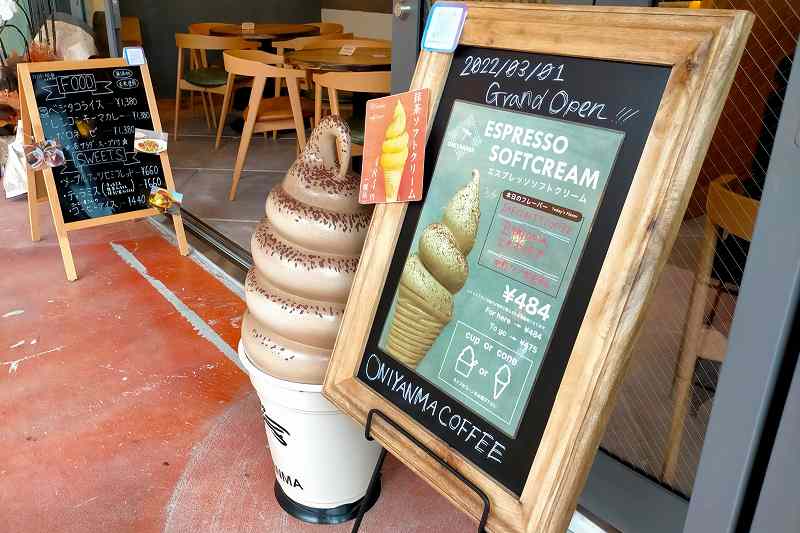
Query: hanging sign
[493,319]
[93,110]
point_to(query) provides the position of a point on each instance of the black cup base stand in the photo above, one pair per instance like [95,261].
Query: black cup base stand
[374,487]
[336,515]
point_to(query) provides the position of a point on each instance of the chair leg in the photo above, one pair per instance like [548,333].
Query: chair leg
[247,134]
[687,359]
[212,109]
[226,104]
[683,385]
[205,108]
[278,84]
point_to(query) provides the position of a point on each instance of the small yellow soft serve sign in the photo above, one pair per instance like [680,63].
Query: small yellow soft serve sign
[394,148]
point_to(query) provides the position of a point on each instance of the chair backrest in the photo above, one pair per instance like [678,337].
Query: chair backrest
[130,32]
[258,64]
[730,210]
[327,27]
[301,43]
[356,82]
[358,43]
[203,28]
[211,42]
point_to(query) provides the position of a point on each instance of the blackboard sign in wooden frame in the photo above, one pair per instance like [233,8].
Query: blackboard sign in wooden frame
[71,102]
[683,61]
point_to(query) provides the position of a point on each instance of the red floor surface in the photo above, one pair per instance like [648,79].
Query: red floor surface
[117,414]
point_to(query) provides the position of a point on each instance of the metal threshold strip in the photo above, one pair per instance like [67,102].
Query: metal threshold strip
[227,248]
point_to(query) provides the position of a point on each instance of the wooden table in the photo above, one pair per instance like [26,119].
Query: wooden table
[329,59]
[265,31]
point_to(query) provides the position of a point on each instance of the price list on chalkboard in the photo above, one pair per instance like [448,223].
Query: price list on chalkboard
[93,114]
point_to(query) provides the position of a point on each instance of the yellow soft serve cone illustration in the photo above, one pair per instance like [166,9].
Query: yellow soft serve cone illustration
[432,276]
[394,152]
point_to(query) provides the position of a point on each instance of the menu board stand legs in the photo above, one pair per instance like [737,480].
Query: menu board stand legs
[180,234]
[66,251]
[376,474]
[33,205]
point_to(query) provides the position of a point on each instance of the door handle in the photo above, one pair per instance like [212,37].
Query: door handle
[402,9]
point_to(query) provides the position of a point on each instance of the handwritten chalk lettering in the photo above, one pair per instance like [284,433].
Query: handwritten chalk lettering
[150,170]
[138,200]
[74,84]
[126,101]
[103,156]
[417,397]
[564,105]
[511,68]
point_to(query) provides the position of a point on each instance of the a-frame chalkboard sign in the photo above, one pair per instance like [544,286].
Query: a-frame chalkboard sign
[92,108]
[494,320]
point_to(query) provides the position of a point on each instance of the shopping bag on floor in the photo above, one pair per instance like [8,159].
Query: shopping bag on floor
[15,179]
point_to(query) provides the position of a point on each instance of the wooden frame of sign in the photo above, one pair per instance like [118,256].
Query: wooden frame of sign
[698,51]
[32,127]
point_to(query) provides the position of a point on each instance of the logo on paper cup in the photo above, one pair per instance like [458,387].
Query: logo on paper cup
[278,431]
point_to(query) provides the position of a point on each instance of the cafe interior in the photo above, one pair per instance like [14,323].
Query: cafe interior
[288,66]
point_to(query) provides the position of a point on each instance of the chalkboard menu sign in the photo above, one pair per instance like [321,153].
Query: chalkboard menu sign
[493,320]
[93,114]
[91,109]
[531,157]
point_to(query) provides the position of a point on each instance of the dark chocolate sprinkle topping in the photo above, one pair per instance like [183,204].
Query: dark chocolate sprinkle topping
[274,246]
[286,303]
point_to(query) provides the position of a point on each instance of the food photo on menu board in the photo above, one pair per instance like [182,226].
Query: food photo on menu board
[510,206]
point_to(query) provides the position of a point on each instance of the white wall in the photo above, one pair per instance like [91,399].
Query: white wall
[361,23]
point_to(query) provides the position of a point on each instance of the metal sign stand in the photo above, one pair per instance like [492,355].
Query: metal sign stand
[374,482]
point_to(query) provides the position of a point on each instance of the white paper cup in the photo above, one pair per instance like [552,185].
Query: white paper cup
[321,457]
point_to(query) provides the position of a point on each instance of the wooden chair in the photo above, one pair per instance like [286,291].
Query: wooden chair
[130,32]
[327,27]
[726,211]
[264,57]
[263,115]
[195,61]
[203,79]
[379,82]
[301,43]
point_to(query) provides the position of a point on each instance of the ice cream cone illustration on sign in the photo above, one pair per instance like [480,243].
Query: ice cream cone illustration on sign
[394,152]
[432,277]
[502,378]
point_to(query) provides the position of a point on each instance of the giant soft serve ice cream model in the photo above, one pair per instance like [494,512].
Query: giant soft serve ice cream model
[306,251]
[432,277]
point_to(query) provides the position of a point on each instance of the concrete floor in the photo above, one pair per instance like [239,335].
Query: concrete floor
[121,407]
